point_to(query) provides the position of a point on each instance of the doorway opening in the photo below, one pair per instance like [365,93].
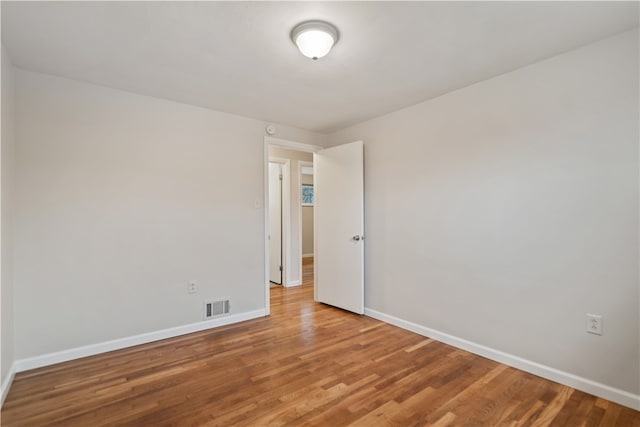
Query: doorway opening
[338,221]
[307,202]
[288,221]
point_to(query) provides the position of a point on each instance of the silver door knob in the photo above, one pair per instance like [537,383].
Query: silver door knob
[356,237]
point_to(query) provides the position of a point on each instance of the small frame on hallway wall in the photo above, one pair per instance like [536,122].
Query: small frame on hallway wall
[307,195]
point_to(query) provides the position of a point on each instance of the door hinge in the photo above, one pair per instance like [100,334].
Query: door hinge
[280,177]
[280,268]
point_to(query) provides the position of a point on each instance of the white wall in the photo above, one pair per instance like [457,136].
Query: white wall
[7,341]
[503,212]
[122,199]
[293,241]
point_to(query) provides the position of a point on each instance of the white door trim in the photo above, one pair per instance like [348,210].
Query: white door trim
[292,145]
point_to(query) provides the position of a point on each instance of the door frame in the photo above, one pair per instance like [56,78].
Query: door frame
[291,145]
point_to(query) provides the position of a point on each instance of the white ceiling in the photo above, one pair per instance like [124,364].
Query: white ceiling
[237,56]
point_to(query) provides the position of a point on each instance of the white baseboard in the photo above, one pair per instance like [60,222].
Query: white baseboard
[6,383]
[583,384]
[307,255]
[293,283]
[103,347]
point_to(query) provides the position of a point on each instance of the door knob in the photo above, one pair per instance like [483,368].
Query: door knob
[356,237]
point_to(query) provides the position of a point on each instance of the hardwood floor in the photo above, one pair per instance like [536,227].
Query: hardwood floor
[307,364]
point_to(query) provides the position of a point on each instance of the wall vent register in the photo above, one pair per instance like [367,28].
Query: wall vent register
[216,308]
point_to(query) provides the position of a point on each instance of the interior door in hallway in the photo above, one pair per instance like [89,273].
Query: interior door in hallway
[275,223]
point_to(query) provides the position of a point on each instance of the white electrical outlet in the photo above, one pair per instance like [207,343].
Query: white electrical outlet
[594,324]
[192,287]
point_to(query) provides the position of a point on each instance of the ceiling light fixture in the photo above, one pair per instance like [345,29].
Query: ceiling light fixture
[314,38]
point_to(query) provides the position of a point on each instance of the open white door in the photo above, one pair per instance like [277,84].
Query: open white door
[275,223]
[339,226]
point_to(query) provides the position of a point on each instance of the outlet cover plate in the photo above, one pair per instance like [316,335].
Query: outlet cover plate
[594,324]
[192,287]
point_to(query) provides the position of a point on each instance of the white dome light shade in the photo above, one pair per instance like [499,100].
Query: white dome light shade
[314,44]
[314,38]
